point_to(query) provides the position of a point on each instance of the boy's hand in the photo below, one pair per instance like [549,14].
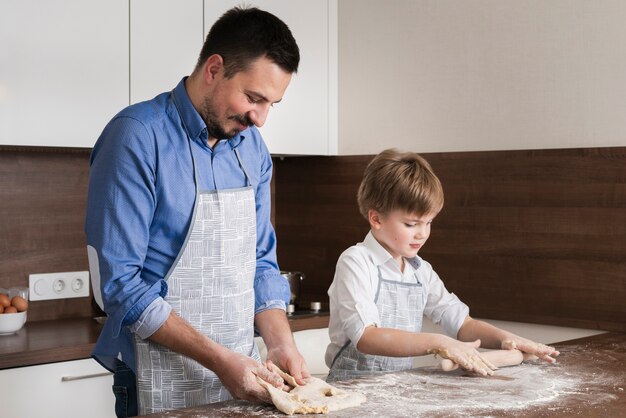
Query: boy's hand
[465,355]
[544,352]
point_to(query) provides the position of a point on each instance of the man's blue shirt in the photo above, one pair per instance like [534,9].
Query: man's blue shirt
[141,198]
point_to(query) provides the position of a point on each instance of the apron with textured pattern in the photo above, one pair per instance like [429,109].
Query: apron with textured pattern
[212,288]
[400,306]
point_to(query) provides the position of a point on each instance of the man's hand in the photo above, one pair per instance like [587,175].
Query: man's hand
[288,358]
[542,351]
[238,374]
[281,348]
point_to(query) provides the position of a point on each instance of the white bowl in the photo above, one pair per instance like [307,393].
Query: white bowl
[11,322]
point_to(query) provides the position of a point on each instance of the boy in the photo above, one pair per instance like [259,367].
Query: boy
[382,288]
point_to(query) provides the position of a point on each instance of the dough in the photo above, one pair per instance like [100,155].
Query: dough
[291,381]
[316,397]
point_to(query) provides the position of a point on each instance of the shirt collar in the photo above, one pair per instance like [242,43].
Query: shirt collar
[196,127]
[381,256]
[237,139]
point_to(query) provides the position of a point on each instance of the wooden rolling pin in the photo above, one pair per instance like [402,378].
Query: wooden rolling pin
[499,358]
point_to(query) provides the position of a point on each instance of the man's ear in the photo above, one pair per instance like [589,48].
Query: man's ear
[212,67]
[375,218]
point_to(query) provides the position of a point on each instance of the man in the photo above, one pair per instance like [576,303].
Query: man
[181,249]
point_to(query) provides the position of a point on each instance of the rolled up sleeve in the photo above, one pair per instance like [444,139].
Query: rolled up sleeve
[270,292]
[152,318]
[352,296]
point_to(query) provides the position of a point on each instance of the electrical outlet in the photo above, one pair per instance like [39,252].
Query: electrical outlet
[65,285]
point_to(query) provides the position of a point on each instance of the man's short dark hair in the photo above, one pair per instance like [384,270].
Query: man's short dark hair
[243,35]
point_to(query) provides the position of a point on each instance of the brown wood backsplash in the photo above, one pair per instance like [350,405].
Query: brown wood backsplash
[534,236]
[42,213]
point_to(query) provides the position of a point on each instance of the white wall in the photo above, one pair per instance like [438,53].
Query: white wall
[461,75]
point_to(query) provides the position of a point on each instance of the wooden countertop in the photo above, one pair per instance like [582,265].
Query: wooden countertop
[588,380]
[42,342]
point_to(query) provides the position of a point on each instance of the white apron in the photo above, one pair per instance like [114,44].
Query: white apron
[212,288]
[400,306]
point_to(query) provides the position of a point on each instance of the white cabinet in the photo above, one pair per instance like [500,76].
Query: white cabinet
[68,66]
[305,122]
[80,388]
[165,40]
[63,70]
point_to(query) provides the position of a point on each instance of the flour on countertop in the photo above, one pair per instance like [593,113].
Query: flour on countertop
[436,393]
[433,393]
[537,388]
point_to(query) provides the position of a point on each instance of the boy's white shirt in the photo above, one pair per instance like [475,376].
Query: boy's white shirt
[352,293]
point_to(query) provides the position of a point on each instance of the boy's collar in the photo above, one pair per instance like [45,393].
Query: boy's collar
[416,262]
[380,255]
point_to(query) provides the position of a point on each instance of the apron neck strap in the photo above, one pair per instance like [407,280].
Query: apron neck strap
[243,168]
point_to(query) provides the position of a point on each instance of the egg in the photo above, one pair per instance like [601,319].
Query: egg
[5,302]
[19,303]
[10,309]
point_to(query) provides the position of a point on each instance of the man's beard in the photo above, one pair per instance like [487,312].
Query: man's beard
[215,129]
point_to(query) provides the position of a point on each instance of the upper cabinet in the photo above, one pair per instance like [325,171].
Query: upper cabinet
[64,70]
[165,40]
[68,66]
[305,121]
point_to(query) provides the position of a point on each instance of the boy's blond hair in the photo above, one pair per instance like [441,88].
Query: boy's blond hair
[396,180]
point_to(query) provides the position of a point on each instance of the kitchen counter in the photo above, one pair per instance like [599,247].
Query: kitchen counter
[588,380]
[42,342]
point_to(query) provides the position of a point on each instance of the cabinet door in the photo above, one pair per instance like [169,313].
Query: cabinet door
[305,121]
[165,41]
[80,388]
[63,71]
